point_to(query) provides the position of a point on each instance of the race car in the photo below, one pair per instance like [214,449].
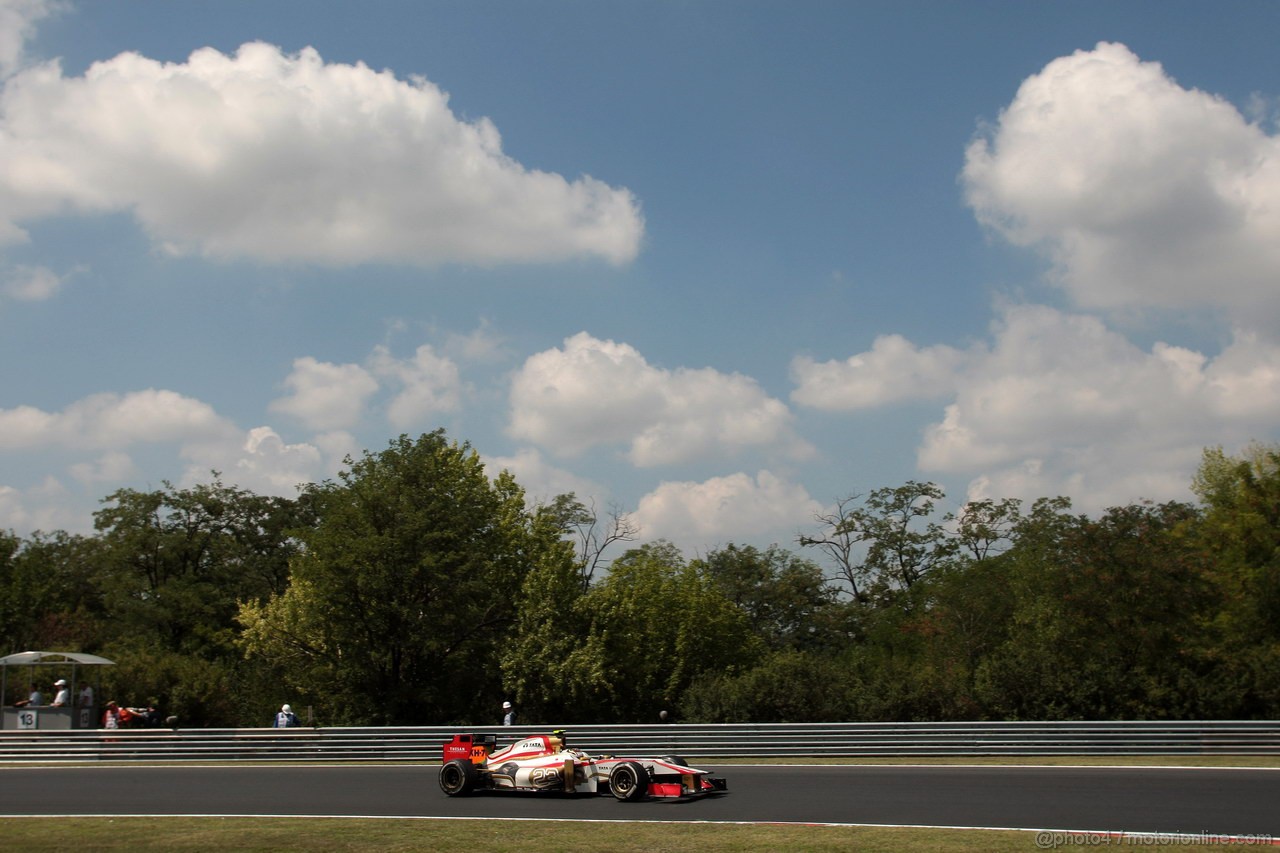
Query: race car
[545,763]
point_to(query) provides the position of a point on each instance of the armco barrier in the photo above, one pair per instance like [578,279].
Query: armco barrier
[418,744]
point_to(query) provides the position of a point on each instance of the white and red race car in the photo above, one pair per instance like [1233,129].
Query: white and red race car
[545,763]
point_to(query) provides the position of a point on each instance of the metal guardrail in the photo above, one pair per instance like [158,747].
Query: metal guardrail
[762,740]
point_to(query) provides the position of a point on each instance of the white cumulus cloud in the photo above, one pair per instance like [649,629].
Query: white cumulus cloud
[18,19]
[111,421]
[326,396]
[894,370]
[30,284]
[593,392]
[429,385]
[1064,405]
[723,509]
[258,460]
[1142,192]
[541,480]
[283,157]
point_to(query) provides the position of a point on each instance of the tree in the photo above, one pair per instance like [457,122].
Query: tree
[173,567]
[48,595]
[896,551]
[591,537]
[651,627]
[404,589]
[786,686]
[1105,617]
[176,562]
[1241,528]
[985,528]
[783,597]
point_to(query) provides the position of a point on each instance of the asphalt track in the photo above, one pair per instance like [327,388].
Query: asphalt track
[1189,801]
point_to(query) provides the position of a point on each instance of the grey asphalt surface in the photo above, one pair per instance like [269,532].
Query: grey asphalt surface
[1163,800]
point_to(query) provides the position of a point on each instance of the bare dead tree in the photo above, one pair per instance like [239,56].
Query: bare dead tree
[839,539]
[591,535]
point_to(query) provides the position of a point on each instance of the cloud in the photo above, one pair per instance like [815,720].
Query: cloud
[430,385]
[541,480]
[1143,193]
[1064,405]
[283,157]
[326,396]
[259,461]
[30,284]
[111,421]
[111,467]
[593,392]
[722,509]
[18,19]
[42,507]
[894,370]
[480,345]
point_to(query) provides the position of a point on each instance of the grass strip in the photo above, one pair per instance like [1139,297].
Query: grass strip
[383,835]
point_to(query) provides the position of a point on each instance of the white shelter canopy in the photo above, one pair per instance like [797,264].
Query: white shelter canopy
[52,658]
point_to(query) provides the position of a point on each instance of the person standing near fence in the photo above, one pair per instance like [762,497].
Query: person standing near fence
[285,719]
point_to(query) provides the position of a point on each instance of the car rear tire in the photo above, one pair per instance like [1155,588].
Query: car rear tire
[629,782]
[458,777]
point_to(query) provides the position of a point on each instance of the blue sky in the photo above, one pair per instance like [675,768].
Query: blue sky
[716,264]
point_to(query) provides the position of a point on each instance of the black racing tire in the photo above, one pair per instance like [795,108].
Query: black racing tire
[675,759]
[458,777]
[629,782]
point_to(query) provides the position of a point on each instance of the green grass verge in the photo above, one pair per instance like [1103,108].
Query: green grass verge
[360,834]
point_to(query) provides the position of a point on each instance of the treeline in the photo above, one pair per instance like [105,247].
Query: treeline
[414,589]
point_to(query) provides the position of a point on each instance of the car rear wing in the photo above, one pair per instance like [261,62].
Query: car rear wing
[473,747]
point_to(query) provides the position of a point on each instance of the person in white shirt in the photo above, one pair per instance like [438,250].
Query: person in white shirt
[63,696]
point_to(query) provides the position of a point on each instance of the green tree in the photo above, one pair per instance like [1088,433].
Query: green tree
[1241,529]
[48,598]
[1105,617]
[654,625]
[885,545]
[173,567]
[404,590]
[784,597]
[786,686]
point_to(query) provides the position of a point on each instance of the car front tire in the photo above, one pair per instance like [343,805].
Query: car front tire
[629,782]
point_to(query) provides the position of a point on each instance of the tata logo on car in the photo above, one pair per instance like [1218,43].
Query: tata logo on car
[544,777]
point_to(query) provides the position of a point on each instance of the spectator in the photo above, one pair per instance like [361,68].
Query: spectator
[36,698]
[111,716]
[285,719]
[63,696]
[508,714]
[86,697]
